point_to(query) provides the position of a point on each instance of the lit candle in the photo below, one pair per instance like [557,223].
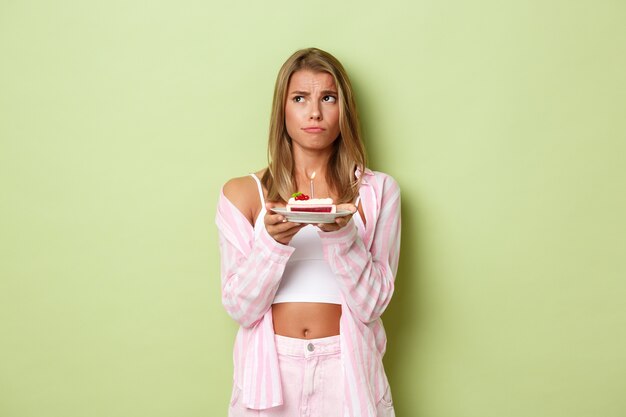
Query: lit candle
[312,176]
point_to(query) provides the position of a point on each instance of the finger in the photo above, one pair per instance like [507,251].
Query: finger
[328,227]
[286,236]
[271,218]
[345,218]
[283,227]
[287,225]
[347,207]
[342,221]
[271,204]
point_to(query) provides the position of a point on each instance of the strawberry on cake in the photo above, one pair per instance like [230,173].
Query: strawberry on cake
[302,203]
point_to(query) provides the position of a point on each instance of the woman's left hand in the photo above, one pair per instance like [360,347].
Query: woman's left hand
[340,222]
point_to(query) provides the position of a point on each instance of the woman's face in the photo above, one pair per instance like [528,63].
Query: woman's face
[312,110]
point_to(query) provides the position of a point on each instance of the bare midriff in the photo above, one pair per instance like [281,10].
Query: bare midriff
[306,320]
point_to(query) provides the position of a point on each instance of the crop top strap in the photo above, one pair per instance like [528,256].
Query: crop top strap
[258,184]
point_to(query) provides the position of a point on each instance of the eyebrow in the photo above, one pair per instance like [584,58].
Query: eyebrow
[306,93]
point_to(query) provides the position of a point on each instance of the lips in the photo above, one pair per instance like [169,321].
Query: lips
[313,129]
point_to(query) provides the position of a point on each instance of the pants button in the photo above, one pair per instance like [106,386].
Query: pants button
[310,347]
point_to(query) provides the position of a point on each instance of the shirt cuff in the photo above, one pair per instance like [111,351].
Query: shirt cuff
[345,235]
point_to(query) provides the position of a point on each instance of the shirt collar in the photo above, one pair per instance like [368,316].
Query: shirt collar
[366,173]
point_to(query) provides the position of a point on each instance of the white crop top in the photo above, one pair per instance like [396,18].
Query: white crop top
[307,276]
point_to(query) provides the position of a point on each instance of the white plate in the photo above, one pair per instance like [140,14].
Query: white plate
[304,217]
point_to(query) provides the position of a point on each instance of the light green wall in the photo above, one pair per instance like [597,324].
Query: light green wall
[504,123]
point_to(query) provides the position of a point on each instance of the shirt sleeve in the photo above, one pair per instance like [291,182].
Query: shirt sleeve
[367,275]
[251,269]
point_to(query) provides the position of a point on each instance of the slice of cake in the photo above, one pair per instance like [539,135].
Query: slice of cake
[302,202]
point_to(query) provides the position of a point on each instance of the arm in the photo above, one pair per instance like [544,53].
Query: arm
[367,276]
[251,268]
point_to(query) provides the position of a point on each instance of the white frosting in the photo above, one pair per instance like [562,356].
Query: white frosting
[311,202]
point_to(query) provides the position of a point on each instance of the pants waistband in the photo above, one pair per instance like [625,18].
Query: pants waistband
[306,348]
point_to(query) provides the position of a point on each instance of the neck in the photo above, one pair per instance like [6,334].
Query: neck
[307,162]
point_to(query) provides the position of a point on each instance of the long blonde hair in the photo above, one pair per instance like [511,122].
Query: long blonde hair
[349,152]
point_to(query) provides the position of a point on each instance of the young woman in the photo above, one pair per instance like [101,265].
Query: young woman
[308,297]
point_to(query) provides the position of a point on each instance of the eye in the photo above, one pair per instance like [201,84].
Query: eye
[329,99]
[298,99]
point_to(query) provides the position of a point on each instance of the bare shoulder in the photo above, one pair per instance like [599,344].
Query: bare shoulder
[244,195]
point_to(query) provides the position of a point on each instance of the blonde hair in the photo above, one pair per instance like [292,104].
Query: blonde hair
[349,152]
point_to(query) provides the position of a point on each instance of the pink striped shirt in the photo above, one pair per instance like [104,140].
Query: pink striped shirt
[365,260]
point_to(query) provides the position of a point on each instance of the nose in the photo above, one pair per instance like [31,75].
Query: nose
[316,114]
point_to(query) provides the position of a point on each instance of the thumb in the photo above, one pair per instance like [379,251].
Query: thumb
[348,206]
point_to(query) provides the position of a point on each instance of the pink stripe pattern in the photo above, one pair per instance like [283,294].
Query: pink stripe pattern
[365,262]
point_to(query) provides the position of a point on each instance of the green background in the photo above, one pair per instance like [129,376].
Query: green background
[504,123]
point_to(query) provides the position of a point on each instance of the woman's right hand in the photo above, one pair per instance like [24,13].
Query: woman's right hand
[278,227]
